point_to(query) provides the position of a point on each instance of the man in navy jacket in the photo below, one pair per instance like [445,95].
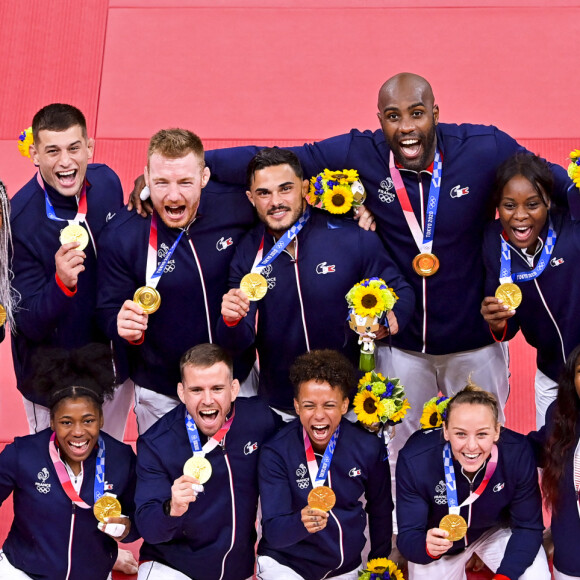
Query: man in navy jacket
[305,306]
[202,531]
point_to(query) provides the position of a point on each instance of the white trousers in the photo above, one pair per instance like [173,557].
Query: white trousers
[270,569]
[546,392]
[490,548]
[559,576]
[115,412]
[151,406]
[156,571]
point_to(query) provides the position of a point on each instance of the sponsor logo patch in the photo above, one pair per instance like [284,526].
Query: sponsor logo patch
[459,191]
[224,244]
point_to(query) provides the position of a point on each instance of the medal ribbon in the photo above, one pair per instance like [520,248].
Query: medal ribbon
[154,271]
[423,239]
[318,474]
[451,483]
[64,478]
[281,244]
[577,475]
[505,274]
[212,441]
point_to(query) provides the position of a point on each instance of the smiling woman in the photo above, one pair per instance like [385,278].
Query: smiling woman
[72,482]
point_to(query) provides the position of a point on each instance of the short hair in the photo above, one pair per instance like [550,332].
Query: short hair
[58,117]
[323,366]
[174,144]
[528,165]
[204,356]
[471,394]
[271,157]
[84,372]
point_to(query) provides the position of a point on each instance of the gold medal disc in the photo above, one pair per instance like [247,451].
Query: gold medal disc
[510,294]
[148,298]
[455,525]
[75,233]
[426,264]
[321,498]
[2,315]
[107,506]
[254,286]
[198,467]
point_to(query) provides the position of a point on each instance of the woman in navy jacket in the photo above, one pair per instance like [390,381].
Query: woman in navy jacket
[535,246]
[557,445]
[58,474]
[486,475]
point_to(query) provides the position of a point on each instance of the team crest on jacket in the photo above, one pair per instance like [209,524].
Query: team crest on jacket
[459,191]
[250,447]
[224,244]
[301,481]
[354,472]
[324,268]
[41,485]
[162,252]
[386,194]
[440,496]
[556,261]
[498,487]
[271,280]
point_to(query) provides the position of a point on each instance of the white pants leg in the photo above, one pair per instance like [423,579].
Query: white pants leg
[559,576]
[270,569]
[249,386]
[151,406]
[546,392]
[8,571]
[38,417]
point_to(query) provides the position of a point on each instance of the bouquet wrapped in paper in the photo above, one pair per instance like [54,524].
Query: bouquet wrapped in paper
[336,191]
[369,302]
[380,569]
[434,412]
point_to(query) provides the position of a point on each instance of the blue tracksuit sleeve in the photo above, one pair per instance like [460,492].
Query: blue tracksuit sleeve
[412,515]
[8,471]
[379,507]
[281,524]
[153,490]
[526,519]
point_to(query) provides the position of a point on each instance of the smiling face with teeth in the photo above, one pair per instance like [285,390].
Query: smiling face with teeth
[77,423]
[408,116]
[320,408]
[472,431]
[208,394]
[523,212]
[62,157]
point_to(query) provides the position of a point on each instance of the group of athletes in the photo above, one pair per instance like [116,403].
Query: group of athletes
[149,305]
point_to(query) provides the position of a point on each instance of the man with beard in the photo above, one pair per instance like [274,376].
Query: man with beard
[161,278]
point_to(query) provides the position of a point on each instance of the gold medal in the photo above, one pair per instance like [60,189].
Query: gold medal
[455,525]
[510,294]
[198,467]
[254,286]
[321,498]
[2,315]
[107,506]
[75,233]
[426,264]
[148,298]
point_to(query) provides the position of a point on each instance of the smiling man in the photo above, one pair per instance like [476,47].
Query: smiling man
[198,522]
[56,277]
[326,455]
[178,259]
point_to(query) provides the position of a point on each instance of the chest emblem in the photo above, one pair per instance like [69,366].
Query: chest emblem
[224,244]
[386,194]
[41,485]
[458,191]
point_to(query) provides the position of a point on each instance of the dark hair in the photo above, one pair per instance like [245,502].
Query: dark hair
[271,157]
[528,165]
[204,356]
[471,394]
[322,366]
[85,372]
[58,117]
[560,443]
[175,143]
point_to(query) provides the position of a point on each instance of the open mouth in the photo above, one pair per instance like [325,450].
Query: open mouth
[175,212]
[279,212]
[410,148]
[67,178]
[522,233]
[209,415]
[320,432]
[78,448]
[471,456]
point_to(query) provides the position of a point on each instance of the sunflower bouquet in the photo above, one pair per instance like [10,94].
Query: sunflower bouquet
[24,142]
[380,400]
[368,302]
[574,167]
[434,412]
[336,191]
[380,569]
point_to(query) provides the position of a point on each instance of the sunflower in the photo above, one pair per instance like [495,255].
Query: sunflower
[574,155]
[368,301]
[401,412]
[367,407]
[369,378]
[431,416]
[382,566]
[338,200]
[25,140]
